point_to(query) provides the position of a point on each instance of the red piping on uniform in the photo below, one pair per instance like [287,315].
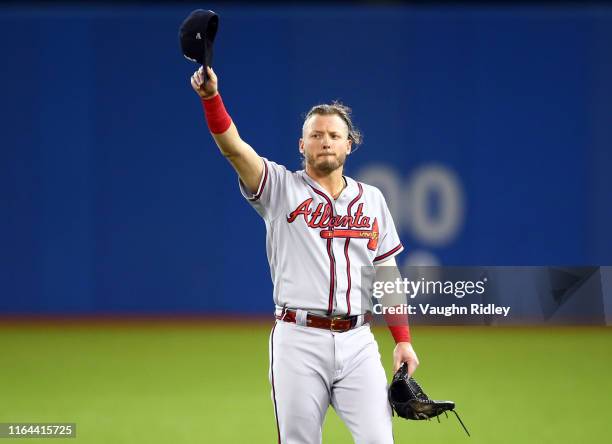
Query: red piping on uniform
[348,276]
[332,275]
[263,183]
[330,253]
[273,390]
[389,253]
[346,255]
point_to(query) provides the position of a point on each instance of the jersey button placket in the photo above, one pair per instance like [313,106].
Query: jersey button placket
[331,228]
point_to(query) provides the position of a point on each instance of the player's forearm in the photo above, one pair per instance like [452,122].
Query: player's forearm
[222,128]
[240,154]
[397,323]
[218,119]
[229,142]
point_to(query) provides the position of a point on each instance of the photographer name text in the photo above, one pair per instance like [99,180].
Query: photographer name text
[448,310]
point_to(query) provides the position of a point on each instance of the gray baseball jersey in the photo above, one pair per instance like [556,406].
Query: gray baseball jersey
[316,245]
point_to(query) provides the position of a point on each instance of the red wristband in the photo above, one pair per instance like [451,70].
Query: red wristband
[398,326]
[216,116]
[401,333]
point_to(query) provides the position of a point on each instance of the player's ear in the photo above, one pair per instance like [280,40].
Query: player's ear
[349,147]
[301,146]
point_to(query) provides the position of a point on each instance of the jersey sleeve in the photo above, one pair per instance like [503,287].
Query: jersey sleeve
[389,244]
[268,199]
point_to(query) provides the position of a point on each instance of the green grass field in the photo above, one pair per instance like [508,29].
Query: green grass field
[209,384]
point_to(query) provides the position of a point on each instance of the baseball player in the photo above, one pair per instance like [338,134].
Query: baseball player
[322,227]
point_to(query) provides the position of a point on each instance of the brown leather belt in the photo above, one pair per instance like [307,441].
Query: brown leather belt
[336,324]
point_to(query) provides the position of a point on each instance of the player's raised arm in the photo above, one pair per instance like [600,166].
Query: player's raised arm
[240,154]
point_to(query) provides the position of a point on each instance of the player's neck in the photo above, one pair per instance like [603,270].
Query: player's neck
[332,182]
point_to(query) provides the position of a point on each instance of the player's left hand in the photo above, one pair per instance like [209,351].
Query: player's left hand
[404,352]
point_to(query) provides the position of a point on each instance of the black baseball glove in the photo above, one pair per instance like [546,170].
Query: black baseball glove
[409,401]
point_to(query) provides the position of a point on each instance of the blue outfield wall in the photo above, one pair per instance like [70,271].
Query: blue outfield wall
[488,129]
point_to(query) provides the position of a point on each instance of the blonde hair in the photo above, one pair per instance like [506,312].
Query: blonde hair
[326,109]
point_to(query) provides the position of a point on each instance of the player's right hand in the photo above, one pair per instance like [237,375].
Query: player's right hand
[206,90]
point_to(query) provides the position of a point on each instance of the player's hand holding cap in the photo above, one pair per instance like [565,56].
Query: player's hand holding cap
[197,35]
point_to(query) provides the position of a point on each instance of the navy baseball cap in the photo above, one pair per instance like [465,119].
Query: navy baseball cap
[197,35]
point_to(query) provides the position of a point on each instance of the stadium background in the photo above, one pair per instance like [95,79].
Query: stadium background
[134,280]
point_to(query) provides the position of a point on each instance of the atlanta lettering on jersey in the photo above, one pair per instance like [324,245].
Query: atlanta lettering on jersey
[322,217]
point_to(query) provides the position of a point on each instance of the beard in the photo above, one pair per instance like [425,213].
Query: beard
[325,164]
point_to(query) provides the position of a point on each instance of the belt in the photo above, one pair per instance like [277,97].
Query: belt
[336,324]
